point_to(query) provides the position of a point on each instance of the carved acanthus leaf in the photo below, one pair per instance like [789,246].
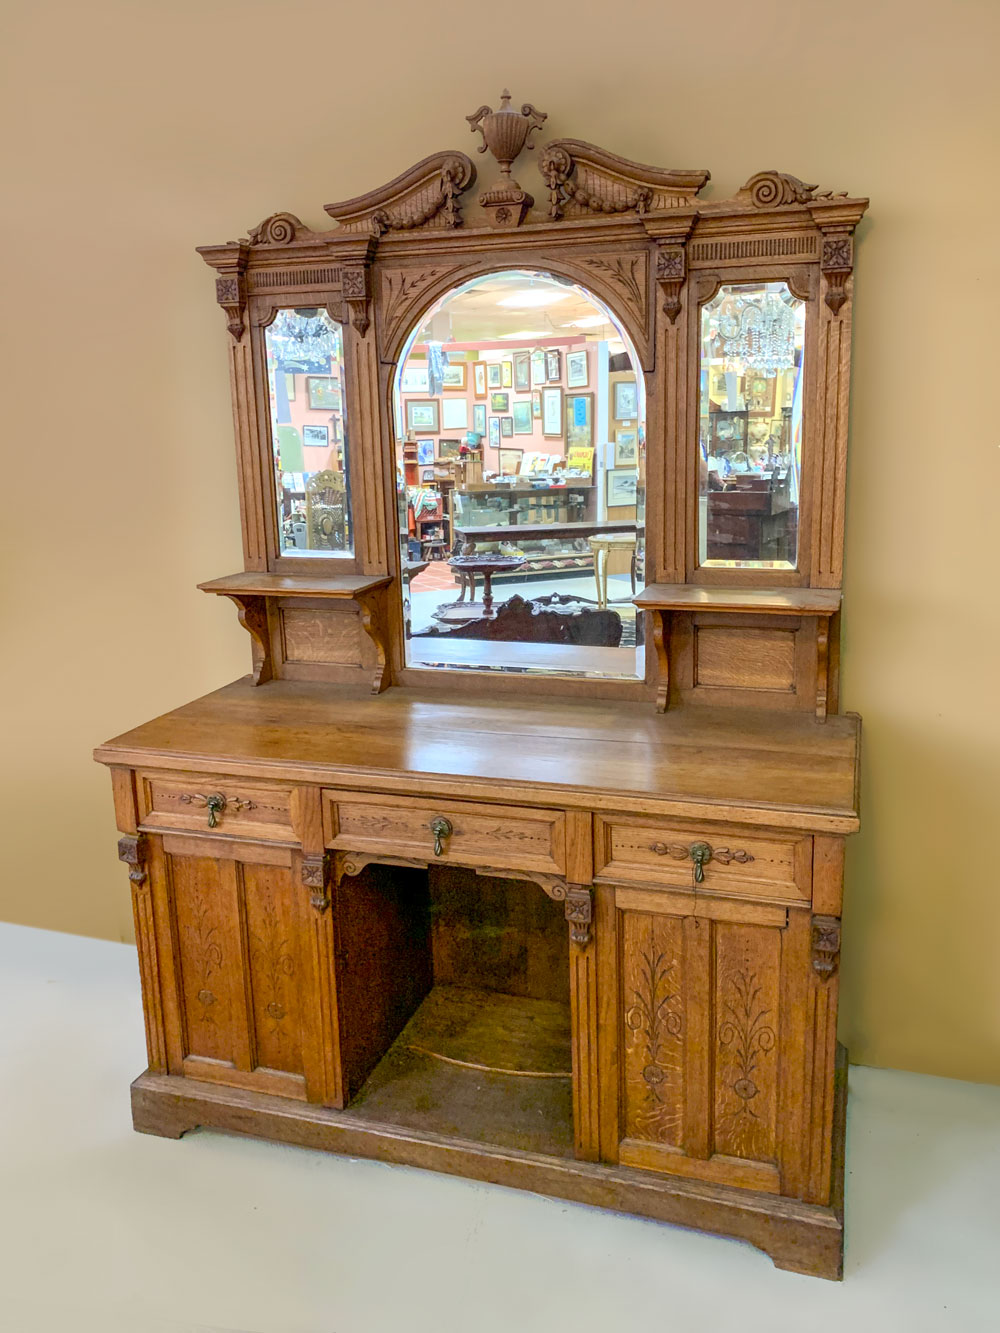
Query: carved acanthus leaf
[626,274]
[400,289]
[771,189]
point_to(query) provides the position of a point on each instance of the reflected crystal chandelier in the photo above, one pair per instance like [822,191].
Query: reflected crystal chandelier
[306,336]
[758,332]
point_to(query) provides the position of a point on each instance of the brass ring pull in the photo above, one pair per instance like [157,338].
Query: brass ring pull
[441,828]
[699,852]
[216,803]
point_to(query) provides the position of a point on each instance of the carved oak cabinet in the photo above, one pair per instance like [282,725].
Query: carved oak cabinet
[558,915]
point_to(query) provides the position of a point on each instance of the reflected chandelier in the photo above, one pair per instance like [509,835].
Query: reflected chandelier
[759,332]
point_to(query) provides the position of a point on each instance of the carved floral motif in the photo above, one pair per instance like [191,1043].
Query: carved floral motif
[652,1017]
[748,1037]
[230,292]
[271,954]
[836,263]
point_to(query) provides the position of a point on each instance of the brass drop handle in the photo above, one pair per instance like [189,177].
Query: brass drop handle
[441,828]
[216,803]
[700,854]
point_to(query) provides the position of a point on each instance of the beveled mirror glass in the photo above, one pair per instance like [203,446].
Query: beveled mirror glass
[520,423]
[750,426]
[304,350]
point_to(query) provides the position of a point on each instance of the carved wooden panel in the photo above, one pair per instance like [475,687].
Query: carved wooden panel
[199,803]
[211,971]
[402,291]
[747,1029]
[652,1009]
[275,965]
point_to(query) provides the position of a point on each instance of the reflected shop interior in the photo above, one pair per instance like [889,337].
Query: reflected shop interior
[520,481]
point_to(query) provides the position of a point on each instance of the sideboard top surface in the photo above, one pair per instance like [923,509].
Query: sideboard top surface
[705,762]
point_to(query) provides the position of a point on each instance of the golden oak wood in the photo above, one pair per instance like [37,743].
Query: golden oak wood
[525,929]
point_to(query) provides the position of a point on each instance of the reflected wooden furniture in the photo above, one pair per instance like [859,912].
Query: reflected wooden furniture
[602,547]
[512,925]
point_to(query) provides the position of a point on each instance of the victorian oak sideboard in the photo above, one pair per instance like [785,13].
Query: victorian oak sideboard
[557,927]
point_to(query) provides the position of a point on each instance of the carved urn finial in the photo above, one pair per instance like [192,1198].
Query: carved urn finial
[506,133]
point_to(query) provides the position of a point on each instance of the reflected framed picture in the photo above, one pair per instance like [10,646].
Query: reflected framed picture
[510,462]
[455,414]
[506,425]
[290,386]
[425,451]
[414,379]
[493,374]
[506,375]
[626,400]
[553,365]
[523,424]
[622,485]
[479,379]
[449,448]
[538,367]
[758,393]
[522,371]
[316,436]
[323,391]
[579,419]
[427,474]
[495,432]
[499,402]
[454,377]
[552,412]
[576,370]
[479,418]
[536,404]
[626,448]
[422,414]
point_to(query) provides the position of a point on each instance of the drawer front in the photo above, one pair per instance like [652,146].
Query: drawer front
[759,865]
[200,803]
[505,837]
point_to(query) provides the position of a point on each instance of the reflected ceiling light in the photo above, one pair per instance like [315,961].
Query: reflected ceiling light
[526,335]
[533,298]
[588,322]
[615,345]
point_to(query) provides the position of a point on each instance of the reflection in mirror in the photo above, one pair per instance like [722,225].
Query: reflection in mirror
[519,414]
[750,427]
[305,376]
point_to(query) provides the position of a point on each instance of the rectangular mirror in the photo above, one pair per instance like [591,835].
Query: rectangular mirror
[304,351]
[750,427]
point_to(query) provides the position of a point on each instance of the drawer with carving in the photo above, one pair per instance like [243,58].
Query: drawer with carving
[709,858]
[503,837]
[203,803]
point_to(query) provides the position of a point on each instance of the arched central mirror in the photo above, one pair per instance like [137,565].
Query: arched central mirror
[519,415]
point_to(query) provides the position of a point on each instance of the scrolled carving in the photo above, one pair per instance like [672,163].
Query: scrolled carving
[769,189]
[825,945]
[278,229]
[427,193]
[591,180]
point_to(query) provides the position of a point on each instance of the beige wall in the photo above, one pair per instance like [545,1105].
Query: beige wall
[138,130]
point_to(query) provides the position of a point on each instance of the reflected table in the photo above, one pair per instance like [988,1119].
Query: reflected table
[601,547]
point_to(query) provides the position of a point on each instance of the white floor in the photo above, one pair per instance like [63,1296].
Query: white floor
[107,1231]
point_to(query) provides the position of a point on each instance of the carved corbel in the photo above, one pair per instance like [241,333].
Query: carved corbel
[316,878]
[579,912]
[836,263]
[132,849]
[356,289]
[371,606]
[253,618]
[671,271]
[231,294]
[825,945]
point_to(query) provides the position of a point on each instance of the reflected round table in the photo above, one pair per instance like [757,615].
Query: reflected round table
[485,565]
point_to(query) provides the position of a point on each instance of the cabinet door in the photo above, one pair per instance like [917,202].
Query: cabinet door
[715,1063]
[238,971]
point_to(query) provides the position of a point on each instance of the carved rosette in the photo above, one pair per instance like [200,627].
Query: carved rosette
[671,270]
[836,264]
[132,850]
[825,945]
[231,294]
[356,291]
[316,877]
